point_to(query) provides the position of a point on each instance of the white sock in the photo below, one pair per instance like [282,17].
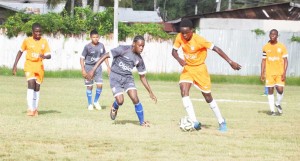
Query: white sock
[279,98]
[213,105]
[30,99]
[188,105]
[36,97]
[271,102]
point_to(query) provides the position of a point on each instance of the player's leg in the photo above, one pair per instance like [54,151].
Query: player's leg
[116,84]
[279,88]
[30,77]
[270,83]
[99,81]
[89,95]
[187,103]
[36,97]
[132,93]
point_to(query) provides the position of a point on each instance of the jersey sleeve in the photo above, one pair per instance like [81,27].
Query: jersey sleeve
[141,68]
[264,55]
[284,52]
[206,44]
[47,49]
[177,42]
[84,52]
[24,46]
[119,50]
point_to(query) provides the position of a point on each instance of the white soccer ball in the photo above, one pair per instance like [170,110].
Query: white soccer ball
[186,124]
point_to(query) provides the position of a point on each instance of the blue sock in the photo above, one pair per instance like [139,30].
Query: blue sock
[140,113]
[115,105]
[97,95]
[89,96]
[266,90]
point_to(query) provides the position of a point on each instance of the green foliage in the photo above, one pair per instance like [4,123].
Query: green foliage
[259,32]
[295,38]
[83,21]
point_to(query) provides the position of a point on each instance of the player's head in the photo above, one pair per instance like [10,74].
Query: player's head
[186,29]
[94,36]
[36,31]
[273,36]
[138,44]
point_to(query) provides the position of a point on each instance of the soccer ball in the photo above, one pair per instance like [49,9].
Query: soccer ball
[186,124]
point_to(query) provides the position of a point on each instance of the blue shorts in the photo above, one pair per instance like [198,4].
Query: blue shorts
[119,83]
[97,77]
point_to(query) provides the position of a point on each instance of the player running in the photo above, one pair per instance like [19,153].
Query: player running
[273,69]
[195,71]
[89,57]
[37,50]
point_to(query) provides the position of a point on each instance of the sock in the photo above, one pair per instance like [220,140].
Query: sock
[188,105]
[30,99]
[271,102]
[89,96]
[140,113]
[213,105]
[266,90]
[279,98]
[115,105]
[97,95]
[36,97]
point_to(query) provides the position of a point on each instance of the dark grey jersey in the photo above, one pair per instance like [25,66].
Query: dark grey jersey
[91,53]
[124,60]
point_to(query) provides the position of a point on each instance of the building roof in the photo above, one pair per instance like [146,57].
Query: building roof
[280,11]
[129,15]
[39,8]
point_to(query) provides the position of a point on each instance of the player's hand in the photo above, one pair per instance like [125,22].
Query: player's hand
[90,75]
[235,65]
[108,71]
[182,62]
[14,71]
[262,77]
[153,97]
[283,77]
[84,74]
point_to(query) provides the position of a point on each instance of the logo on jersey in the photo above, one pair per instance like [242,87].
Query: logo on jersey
[279,50]
[274,58]
[35,55]
[190,56]
[192,48]
[43,46]
[94,59]
[124,67]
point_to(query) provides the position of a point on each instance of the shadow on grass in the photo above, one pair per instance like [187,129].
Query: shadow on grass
[46,112]
[205,126]
[268,112]
[124,122]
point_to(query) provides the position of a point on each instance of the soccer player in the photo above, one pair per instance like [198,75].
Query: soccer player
[37,50]
[125,58]
[273,69]
[195,71]
[90,55]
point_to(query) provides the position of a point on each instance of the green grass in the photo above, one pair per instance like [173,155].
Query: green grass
[65,130]
[174,77]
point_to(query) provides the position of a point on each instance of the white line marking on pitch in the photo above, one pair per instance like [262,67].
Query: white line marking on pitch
[226,100]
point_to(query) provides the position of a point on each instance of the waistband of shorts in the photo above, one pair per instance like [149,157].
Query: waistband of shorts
[196,65]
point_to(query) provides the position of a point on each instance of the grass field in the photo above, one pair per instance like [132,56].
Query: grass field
[66,130]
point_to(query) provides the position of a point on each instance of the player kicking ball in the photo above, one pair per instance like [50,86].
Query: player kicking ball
[89,57]
[195,71]
[273,70]
[37,50]
[125,58]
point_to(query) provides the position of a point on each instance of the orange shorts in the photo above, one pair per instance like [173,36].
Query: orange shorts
[38,76]
[198,75]
[274,80]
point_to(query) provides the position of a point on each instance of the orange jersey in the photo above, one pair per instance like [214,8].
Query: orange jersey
[274,55]
[195,50]
[34,48]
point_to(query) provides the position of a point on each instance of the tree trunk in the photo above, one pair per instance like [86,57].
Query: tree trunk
[96,6]
[84,3]
[72,7]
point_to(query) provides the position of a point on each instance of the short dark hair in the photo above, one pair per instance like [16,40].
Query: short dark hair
[94,32]
[274,30]
[186,23]
[36,25]
[138,37]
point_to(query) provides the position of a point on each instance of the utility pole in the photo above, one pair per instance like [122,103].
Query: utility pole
[218,5]
[196,7]
[116,5]
[155,2]
[72,8]
[229,5]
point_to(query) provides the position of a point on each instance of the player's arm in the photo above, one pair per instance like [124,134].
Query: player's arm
[176,56]
[48,56]
[14,70]
[285,65]
[83,72]
[102,58]
[263,70]
[108,66]
[147,86]
[233,64]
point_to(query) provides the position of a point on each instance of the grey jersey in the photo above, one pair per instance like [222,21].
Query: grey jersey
[91,53]
[124,60]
